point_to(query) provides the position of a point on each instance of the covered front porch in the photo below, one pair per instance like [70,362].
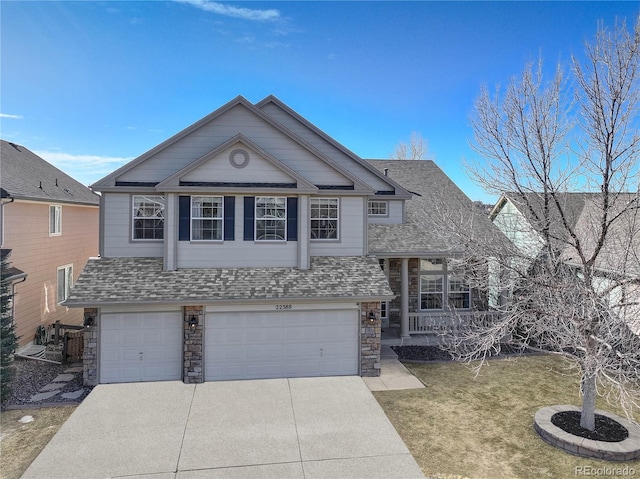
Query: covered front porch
[431,299]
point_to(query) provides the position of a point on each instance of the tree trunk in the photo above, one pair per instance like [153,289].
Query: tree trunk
[588,416]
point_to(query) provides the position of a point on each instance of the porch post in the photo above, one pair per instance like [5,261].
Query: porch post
[404,298]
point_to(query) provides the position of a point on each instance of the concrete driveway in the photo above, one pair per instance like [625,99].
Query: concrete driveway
[273,428]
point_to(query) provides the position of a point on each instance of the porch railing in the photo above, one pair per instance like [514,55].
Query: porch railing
[430,323]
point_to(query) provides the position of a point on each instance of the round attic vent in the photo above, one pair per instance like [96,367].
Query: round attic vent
[239,158]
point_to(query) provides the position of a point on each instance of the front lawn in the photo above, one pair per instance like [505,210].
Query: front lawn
[21,443]
[482,427]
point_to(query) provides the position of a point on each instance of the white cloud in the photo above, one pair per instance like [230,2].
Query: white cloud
[248,39]
[87,169]
[235,12]
[13,117]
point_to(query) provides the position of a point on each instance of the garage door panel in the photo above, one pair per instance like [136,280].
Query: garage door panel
[281,344]
[132,339]
[140,347]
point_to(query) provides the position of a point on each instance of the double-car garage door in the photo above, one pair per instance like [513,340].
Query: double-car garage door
[237,345]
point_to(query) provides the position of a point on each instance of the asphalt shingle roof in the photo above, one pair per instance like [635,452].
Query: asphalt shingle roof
[434,193]
[24,175]
[583,212]
[142,280]
[531,206]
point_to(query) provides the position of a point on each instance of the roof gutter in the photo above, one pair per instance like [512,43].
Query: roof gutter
[409,255]
[17,278]
[204,302]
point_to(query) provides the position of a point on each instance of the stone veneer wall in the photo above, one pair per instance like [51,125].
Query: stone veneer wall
[90,355]
[193,371]
[395,277]
[370,333]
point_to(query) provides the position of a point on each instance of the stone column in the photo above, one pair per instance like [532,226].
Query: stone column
[90,354]
[370,333]
[404,299]
[193,347]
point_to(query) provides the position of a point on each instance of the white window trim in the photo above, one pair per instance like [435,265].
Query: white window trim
[446,274]
[378,215]
[337,219]
[221,219]
[256,219]
[52,221]
[134,218]
[384,265]
[68,277]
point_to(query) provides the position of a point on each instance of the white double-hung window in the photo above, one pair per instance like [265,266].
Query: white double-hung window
[55,220]
[271,218]
[441,288]
[207,218]
[64,282]
[324,218]
[148,217]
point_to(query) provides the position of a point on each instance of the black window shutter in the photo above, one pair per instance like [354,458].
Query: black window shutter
[229,217]
[292,219]
[184,218]
[249,215]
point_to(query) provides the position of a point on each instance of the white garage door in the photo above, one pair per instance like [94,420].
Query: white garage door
[140,347]
[249,345]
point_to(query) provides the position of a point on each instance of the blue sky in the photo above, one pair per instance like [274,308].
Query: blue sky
[91,85]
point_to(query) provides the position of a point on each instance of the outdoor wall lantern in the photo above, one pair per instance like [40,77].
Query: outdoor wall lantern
[372,316]
[193,322]
[88,321]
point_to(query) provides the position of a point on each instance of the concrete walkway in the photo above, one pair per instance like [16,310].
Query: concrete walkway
[393,374]
[307,428]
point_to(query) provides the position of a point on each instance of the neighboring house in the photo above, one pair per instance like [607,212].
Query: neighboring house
[521,219]
[417,252]
[49,225]
[240,248]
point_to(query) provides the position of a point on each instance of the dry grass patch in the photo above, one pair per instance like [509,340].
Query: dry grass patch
[21,443]
[482,427]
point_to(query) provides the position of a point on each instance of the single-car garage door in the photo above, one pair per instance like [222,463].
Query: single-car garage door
[281,344]
[140,347]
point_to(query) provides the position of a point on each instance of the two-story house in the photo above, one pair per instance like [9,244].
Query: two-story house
[237,249]
[49,228]
[240,248]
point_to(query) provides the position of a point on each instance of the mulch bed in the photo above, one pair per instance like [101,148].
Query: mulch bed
[607,430]
[434,353]
[421,353]
[32,375]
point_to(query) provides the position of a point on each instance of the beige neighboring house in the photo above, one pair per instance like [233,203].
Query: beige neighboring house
[49,228]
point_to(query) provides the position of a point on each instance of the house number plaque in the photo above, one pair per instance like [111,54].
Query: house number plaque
[284,306]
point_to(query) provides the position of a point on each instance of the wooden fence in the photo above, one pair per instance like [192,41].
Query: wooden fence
[73,345]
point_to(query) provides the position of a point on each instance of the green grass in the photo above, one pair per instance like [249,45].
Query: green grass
[482,427]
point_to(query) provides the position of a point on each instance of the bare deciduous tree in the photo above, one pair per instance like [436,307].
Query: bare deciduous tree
[569,281]
[417,149]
